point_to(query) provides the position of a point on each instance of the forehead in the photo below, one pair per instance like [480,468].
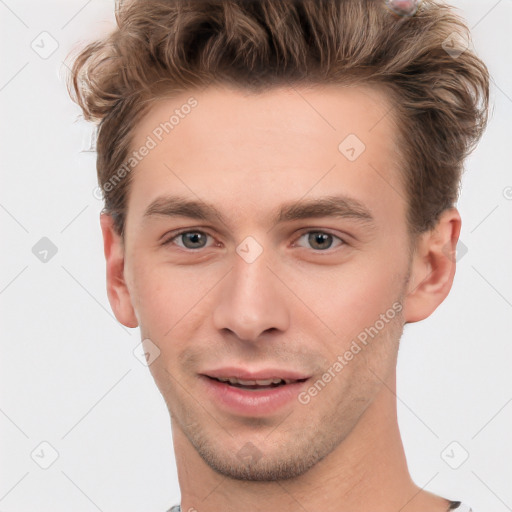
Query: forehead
[289,113]
[251,151]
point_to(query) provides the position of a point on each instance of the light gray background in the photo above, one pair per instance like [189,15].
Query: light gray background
[68,373]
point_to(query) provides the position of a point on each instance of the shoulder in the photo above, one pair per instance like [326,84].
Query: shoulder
[457,506]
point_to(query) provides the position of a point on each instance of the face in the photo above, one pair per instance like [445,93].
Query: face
[247,290]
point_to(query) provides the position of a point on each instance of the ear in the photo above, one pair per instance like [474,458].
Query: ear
[432,267]
[117,291]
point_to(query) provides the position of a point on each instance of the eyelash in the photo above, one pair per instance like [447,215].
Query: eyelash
[328,251]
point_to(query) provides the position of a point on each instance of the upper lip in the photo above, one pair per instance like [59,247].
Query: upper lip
[267,373]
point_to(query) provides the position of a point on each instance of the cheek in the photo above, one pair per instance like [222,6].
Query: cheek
[378,283]
[352,296]
[151,294]
[368,300]
[169,299]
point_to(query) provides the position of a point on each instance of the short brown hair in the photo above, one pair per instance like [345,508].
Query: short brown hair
[161,47]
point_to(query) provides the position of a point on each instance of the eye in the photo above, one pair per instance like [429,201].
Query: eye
[191,239]
[321,240]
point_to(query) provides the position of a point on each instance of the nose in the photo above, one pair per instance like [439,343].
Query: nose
[252,301]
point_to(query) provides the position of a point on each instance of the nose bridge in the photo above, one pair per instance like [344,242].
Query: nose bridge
[251,301]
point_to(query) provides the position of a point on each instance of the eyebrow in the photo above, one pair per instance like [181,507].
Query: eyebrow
[339,206]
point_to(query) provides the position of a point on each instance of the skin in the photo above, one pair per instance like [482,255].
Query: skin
[294,307]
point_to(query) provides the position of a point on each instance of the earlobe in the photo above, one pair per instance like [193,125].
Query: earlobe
[117,290]
[433,267]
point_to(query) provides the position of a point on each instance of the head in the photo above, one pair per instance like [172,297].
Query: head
[271,116]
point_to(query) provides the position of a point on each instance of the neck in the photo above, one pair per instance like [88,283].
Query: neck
[367,471]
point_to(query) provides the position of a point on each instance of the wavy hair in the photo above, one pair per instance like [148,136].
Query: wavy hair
[439,88]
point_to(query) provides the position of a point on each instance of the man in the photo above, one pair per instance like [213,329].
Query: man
[280,180]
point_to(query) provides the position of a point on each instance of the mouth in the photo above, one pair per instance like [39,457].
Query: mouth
[252,393]
[256,384]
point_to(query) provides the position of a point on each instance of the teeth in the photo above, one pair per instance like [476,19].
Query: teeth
[266,382]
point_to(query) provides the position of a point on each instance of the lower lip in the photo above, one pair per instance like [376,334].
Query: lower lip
[246,402]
